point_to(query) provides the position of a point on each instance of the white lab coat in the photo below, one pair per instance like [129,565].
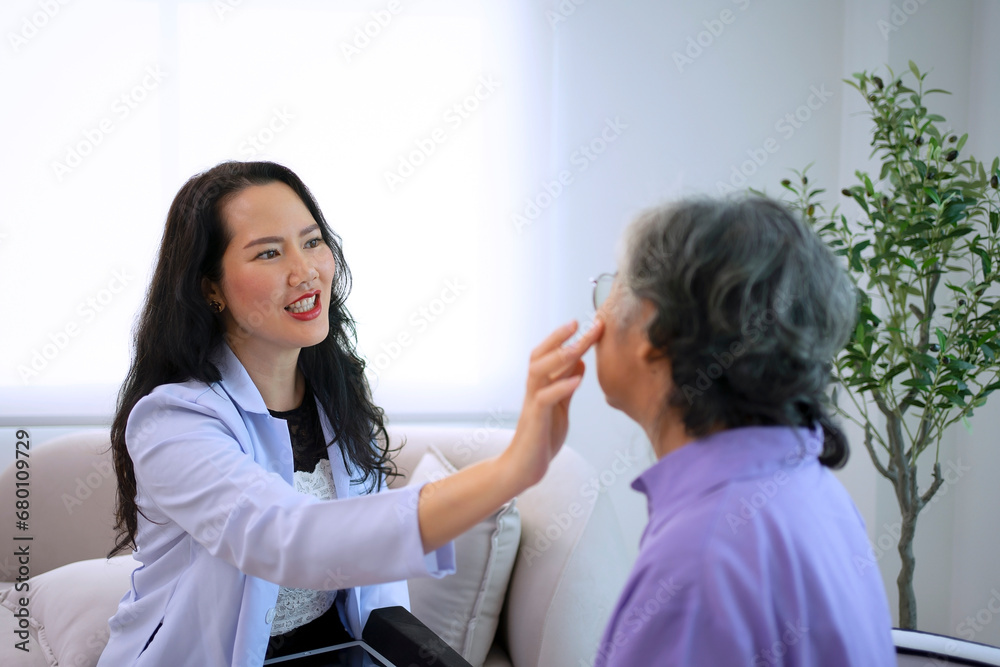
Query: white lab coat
[224,527]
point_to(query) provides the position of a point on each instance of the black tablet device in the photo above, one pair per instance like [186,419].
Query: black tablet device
[350,654]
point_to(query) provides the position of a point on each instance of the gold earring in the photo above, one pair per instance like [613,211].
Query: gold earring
[215,306]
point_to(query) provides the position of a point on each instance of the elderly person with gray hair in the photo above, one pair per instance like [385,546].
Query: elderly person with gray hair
[720,330]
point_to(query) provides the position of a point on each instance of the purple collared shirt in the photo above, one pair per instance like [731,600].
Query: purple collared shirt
[754,555]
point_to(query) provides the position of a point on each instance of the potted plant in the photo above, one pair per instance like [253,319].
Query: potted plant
[923,253]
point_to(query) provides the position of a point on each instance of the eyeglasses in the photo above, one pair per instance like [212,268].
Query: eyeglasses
[602,288]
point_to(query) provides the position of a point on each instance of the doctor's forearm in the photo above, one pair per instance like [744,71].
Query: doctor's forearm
[453,505]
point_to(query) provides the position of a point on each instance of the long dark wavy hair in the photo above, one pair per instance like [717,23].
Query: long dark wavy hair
[176,332]
[750,307]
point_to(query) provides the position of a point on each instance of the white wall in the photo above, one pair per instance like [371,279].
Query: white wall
[976,541]
[688,129]
[689,125]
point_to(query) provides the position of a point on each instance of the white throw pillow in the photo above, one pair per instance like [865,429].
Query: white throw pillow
[69,608]
[464,609]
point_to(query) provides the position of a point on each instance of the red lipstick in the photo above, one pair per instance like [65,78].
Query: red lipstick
[310,314]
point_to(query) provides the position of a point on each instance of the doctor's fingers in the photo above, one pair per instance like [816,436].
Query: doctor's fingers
[554,340]
[563,361]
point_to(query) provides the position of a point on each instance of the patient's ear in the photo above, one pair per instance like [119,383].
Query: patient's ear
[645,350]
[647,353]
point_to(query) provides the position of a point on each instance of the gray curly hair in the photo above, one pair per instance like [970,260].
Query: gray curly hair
[751,307]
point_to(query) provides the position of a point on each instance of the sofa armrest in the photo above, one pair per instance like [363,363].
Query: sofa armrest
[572,561]
[73,486]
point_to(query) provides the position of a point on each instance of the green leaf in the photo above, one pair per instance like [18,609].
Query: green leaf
[913,68]
[919,228]
[957,400]
[961,142]
[942,339]
[856,255]
[886,166]
[984,256]
[933,194]
[896,370]
[966,424]
[916,382]
[924,361]
[988,352]
[959,365]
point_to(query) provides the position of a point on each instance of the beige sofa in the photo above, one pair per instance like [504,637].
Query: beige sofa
[544,574]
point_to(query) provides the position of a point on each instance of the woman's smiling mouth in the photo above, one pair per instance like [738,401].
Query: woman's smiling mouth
[304,304]
[306,308]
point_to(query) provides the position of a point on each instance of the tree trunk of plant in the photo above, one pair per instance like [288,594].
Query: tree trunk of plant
[904,582]
[904,477]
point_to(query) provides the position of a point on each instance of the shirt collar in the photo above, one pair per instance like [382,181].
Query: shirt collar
[733,454]
[236,381]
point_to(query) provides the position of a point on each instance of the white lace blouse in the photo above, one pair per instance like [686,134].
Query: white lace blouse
[298,606]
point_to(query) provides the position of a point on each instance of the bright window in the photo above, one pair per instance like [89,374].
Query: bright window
[399,121]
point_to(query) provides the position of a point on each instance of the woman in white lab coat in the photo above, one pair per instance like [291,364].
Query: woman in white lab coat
[251,461]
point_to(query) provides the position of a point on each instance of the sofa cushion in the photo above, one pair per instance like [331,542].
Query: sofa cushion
[73,486]
[69,608]
[19,651]
[464,609]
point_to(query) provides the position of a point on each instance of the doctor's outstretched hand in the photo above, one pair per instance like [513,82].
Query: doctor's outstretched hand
[456,503]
